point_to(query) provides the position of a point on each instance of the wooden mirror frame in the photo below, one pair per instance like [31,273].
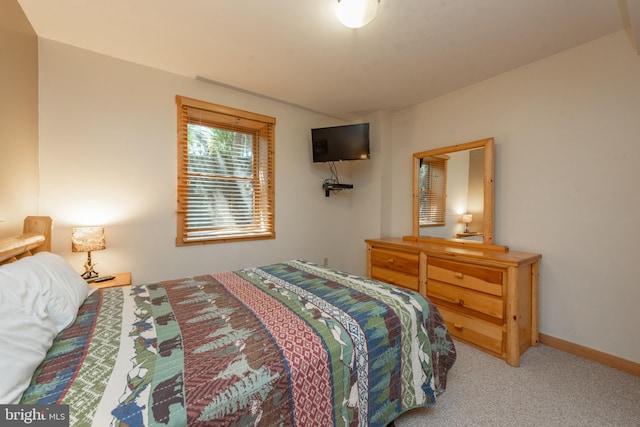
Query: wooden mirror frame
[488,192]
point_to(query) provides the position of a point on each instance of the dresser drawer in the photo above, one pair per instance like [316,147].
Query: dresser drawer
[475,331]
[466,300]
[470,276]
[395,277]
[405,262]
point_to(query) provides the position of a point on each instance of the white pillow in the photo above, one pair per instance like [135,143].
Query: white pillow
[63,289]
[26,334]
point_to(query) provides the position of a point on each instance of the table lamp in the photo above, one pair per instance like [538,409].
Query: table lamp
[467,219]
[87,239]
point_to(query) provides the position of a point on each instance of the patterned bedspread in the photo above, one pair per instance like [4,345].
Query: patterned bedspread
[285,344]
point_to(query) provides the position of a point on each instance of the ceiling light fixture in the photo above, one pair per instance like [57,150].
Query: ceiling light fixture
[356,13]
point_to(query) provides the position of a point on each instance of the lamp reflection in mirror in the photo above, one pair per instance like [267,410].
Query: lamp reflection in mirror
[87,239]
[356,13]
[467,219]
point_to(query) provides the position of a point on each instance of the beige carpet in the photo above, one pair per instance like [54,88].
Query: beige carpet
[550,388]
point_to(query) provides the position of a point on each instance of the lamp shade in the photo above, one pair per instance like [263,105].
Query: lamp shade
[86,239]
[467,218]
[356,13]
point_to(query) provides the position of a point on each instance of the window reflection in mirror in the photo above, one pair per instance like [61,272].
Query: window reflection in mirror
[433,190]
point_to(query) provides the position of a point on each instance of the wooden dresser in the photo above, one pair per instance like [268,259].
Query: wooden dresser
[488,298]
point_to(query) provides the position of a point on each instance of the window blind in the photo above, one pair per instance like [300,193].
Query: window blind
[226,185]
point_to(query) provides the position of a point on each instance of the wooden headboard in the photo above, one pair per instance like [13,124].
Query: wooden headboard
[36,237]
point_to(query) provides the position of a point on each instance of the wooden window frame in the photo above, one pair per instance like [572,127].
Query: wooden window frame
[263,178]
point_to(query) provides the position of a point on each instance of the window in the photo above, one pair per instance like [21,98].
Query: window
[433,190]
[226,176]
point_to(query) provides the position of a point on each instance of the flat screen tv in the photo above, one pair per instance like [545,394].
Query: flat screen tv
[338,143]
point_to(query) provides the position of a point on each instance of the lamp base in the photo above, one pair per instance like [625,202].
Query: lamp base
[89,272]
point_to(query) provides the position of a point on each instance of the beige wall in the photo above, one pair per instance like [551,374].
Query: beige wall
[108,157]
[567,135]
[18,118]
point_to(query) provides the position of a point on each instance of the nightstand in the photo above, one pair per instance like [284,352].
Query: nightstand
[120,279]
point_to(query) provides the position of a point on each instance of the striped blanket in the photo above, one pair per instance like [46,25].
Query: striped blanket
[286,344]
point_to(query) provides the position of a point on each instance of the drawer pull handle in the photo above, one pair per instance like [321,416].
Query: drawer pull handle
[391,260]
[460,302]
[458,275]
[457,327]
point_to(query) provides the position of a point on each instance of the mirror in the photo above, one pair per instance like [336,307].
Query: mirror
[453,193]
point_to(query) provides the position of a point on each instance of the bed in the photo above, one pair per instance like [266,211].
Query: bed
[291,343]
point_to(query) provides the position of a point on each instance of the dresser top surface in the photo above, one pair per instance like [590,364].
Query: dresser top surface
[505,256]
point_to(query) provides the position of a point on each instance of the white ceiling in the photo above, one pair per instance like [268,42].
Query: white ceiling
[296,51]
